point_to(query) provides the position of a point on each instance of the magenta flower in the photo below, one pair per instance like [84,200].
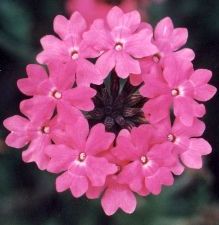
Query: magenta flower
[177,86]
[35,132]
[122,42]
[54,91]
[148,169]
[170,40]
[71,48]
[117,110]
[79,157]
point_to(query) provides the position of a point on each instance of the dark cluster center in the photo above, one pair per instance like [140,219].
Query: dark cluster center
[118,105]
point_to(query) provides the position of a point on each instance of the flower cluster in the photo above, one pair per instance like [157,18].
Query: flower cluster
[115,110]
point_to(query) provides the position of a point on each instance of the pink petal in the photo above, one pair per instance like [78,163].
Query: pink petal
[162,177]
[60,23]
[118,197]
[77,24]
[176,71]
[54,48]
[36,152]
[197,129]
[99,140]
[157,152]
[60,156]
[179,38]
[158,108]
[164,28]
[125,65]
[205,92]
[186,54]
[97,169]
[16,123]
[62,75]
[154,84]
[80,97]
[141,137]
[187,109]
[106,62]
[36,75]
[113,15]
[129,21]
[132,175]
[94,192]
[77,140]
[124,149]
[79,185]
[198,147]
[201,77]
[104,40]
[139,44]
[63,182]
[87,73]
[17,140]
[45,107]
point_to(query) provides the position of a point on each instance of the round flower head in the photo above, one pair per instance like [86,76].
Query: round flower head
[116,110]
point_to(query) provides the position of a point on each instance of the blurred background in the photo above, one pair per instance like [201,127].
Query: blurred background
[28,196]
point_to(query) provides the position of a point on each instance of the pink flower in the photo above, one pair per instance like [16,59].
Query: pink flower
[93,9]
[71,48]
[36,131]
[80,158]
[177,86]
[179,136]
[54,91]
[170,40]
[121,42]
[147,168]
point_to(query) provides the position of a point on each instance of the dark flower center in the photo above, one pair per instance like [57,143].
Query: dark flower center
[118,105]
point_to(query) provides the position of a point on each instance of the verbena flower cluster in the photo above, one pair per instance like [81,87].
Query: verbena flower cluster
[115,110]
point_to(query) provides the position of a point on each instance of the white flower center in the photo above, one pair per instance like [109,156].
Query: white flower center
[57,94]
[119,46]
[82,156]
[175,92]
[156,58]
[171,138]
[46,130]
[144,159]
[74,53]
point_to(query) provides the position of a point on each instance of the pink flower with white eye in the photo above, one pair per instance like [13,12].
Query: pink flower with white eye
[79,157]
[148,168]
[170,40]
[54,90]
[122,41]
[71,48]
[179,136]
[36,130]
[174,86]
